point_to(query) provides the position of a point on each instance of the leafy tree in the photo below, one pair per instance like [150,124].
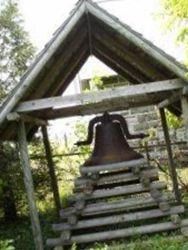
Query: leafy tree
[16,51]
[175,14]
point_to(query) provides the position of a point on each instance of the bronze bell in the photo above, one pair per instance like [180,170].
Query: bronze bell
[110,144]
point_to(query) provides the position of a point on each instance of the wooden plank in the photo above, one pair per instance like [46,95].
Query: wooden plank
[115,178]
[174,98]
[184,103]
[15,117]
[98,96]
[125,66]
[120,233]
[123,190]
[111,64]
[110,105]
[28,181]
[172,166]
[51,169]
[114,166]
[116,206]
[127,217]
[122,50]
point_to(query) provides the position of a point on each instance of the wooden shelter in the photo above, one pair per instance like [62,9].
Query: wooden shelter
[155,79]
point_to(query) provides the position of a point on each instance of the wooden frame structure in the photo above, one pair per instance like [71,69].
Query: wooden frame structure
[155,79]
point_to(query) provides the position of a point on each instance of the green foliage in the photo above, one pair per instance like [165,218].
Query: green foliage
[173,121]
[16,51]
[96,83]
[175,15]
[6,245]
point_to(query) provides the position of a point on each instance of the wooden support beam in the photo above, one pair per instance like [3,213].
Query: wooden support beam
[59,69]
[122,218]
[24,157]
[112,56]
[124,190]
[184,102]
[172,167]
[116,206]
[173,98]
[122,50]
[126,92]
[15,117]
[111,64]
[51,169]
[116,178]
[119,233]
[113,167]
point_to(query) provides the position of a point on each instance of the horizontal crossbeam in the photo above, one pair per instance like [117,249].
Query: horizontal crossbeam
[85,102]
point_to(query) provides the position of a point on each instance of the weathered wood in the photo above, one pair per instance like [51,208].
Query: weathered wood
[117,59]
[120,49]
[121,205]
[138,41]
[72,219]
[172,167]
[174,98]
[26,118]
[120,233]
[84,98]
[28,181]
[156,194]
[51,169]
[184,103]
[127,217]
[164,206]
[123,190]
[80,204]
[66,212]
[136,170]
[116,178]
[114,166]
[175,218]
[83,181]
[41,62]
[65,235]
[145,181]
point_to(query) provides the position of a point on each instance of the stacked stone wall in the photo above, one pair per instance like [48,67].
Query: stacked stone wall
[147,120]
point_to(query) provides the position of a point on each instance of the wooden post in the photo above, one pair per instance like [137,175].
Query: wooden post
[24,157]
[172,167]
[51,169]
[184,103]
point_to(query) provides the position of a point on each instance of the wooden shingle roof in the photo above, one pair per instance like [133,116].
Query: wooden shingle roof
[90,30]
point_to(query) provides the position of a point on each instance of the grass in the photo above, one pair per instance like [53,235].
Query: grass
[157,242]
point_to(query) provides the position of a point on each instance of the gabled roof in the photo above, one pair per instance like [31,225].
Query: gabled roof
[90,30]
